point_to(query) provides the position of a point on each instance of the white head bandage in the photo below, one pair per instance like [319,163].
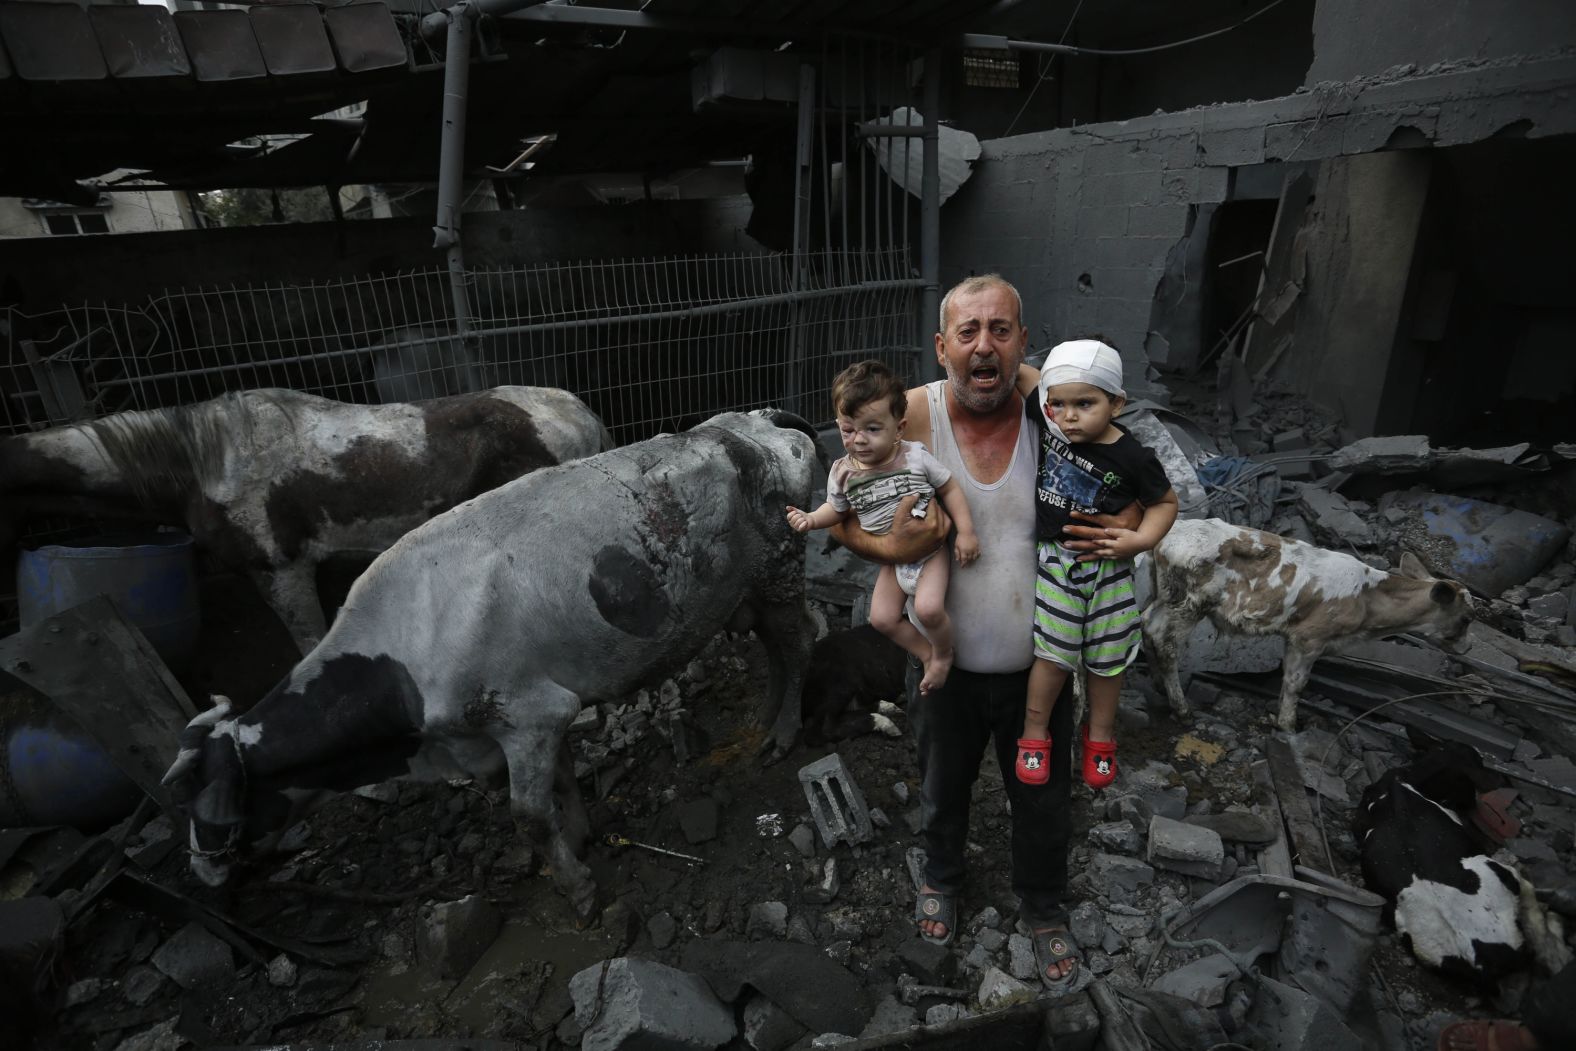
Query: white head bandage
[1082,361]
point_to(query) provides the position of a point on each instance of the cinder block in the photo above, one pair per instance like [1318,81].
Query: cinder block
[1128,252]
[1110,158]
[1179,186]
[1134,283]
[1129,188]
[1104,220]
[1113,315]
[1213,185]
[1304,140]
[1158,220]
[1181,150]
[1232,146]
[836,803]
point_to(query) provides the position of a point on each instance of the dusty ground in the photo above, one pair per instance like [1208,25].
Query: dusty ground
[345,901]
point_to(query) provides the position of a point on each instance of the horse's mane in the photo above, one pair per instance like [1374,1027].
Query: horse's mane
[170,452]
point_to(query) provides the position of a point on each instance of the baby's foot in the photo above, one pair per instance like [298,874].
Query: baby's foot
[936,670]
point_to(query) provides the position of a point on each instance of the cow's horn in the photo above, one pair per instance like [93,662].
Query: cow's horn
[185,762]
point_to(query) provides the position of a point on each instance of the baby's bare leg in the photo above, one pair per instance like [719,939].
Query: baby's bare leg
[886,615]
[930,606]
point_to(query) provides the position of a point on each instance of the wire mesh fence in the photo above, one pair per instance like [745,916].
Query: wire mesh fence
[651,345]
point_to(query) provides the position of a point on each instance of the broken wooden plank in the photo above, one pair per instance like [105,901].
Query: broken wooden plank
[1275,859]
[1307,846]
[94,665]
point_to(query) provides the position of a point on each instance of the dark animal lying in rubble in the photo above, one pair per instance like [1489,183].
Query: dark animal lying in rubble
[852,685]
[273,482]
[472,643]
[1457,908]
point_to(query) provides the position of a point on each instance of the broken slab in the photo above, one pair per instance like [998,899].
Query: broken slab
[820,993]
[1237,826]
[454,935]
[1487,547]
[1332,519]
[194,958]
[768,1027]
[1288,1019]
[1189,849]
[1203,981]
[1390,454]
[628,1002]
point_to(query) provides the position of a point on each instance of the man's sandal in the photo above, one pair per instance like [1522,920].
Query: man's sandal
[1052,945]
[937,907]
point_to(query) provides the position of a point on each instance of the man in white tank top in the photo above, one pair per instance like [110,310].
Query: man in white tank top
[974,423]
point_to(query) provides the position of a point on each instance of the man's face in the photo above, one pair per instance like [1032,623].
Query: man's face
[982,348]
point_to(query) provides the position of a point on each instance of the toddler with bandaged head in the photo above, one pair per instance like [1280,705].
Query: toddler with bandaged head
[880,470]
[1085,607]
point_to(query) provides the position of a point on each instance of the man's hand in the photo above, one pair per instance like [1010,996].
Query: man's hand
[1108,537]
[909,540]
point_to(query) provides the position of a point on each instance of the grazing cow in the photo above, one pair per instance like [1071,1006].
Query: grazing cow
[275,481]
[480,634]
[850,688]
[1458,909]
[1255,583]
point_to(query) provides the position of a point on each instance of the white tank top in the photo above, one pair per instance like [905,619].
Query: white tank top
[991,602]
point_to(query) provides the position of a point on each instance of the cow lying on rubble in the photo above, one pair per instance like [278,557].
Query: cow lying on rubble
[274,481]
[1255,583]
[477,637]
[1458,909]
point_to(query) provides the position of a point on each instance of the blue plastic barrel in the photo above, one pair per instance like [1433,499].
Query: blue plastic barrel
[57,775]
[151,576]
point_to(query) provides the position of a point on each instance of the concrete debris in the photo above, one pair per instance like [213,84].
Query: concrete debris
[1288,1019]
[1333,519]
[627,1002]
[998,990]
[1488,547]
[456,933]
[194,958]
[769,919]
[1188,849]
[767,1027]
[836,804]
[1204,981]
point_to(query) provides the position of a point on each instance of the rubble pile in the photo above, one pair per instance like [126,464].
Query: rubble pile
[1220,896]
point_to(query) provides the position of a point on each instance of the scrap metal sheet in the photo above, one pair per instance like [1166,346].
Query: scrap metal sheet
[365,37]
[139,41]
[292,39]
[221,45]
[51,42]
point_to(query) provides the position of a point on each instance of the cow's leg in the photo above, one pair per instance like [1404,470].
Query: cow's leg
[531,746]
[1298,665]
[1166,631]
[291,589]
[788,633]
[576,822]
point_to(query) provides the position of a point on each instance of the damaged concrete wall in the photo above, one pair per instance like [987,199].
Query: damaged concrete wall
[1088,220]
[1356,37]
[42,273]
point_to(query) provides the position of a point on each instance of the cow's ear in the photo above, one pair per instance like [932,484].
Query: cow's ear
[1442,592]
[1412,567]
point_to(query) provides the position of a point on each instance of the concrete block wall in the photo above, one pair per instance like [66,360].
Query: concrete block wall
[1085,220]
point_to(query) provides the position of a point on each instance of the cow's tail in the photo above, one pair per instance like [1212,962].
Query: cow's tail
[784,418]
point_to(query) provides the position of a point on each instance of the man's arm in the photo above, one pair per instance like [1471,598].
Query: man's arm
[1158,518]
[1090,539]
[909,540]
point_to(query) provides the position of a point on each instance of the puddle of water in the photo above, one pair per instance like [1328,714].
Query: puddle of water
[397,995]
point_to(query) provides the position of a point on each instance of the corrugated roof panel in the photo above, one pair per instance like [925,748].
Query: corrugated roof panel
[139,41]
[292,39]
[51,42]
[221,45]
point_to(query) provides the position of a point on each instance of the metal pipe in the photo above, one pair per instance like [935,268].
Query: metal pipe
[930,198]
[451,157]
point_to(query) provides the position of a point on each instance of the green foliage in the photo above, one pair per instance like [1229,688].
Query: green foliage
[254,207]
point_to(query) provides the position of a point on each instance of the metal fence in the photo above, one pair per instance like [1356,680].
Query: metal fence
[651,345]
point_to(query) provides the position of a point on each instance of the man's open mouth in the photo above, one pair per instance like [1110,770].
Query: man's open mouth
[985,374]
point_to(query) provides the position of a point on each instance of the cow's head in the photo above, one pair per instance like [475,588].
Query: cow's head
[208,780]
[1449,610]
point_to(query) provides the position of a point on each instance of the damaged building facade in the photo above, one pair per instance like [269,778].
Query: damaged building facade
[1404,202]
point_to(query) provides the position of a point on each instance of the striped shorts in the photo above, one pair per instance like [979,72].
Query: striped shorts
[1085,610]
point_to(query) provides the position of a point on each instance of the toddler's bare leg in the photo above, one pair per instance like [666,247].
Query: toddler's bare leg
[930,606]
[886,616]
[1045,683]
[1103,693]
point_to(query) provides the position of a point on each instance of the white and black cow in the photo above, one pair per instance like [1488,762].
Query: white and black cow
[1250,582]
[480,634]
[1458,909]
[274,481]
